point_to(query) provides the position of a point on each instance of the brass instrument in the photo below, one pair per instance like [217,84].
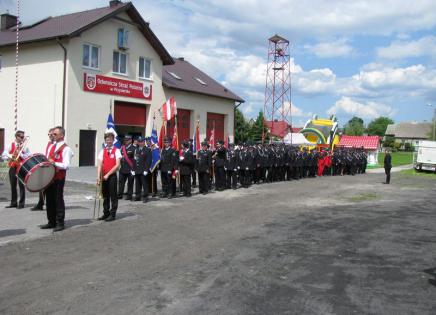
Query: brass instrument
[98,197]
[16,157]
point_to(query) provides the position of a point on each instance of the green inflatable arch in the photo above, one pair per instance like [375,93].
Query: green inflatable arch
[316,132]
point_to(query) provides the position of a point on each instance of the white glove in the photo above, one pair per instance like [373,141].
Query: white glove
[246,168]
[132,172]
[169,172]
[235,170]
[182,158]
[145,173]
[239,167]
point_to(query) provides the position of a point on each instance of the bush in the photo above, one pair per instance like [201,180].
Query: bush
[397,145]
[407,146]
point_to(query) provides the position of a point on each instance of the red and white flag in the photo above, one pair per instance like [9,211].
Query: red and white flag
[175,140]
[212,139]
[169,109]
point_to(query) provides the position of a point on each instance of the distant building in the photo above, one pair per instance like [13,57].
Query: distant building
[369,143]
[409,132]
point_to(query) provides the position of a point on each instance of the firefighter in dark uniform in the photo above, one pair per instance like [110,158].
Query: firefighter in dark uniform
[230,166]
[220,173]
[126,169]
[168,169]
[186,164]
[203,166]
[152,176]
[194,173]
[142,169]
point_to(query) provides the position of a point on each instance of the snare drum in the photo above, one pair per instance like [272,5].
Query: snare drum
[36,172]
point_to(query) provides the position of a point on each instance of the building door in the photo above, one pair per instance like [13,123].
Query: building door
[215,121]
[87,147]
[2,140]
[130,118]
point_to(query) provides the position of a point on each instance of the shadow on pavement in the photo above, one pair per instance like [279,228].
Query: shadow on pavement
[431,272]
[10,232]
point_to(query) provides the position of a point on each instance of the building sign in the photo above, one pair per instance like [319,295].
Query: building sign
[109,85]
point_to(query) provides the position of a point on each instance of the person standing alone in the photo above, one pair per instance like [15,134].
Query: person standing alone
[387,165]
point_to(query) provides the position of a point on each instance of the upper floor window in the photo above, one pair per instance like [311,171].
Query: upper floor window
[144,68]
[123,38]
[119,62]
[91,56]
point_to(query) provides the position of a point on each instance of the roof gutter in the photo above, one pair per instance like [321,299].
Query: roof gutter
[64,80]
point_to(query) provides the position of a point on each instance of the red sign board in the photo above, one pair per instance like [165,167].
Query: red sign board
[108,85]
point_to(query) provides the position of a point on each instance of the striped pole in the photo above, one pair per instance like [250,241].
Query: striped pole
[16,67]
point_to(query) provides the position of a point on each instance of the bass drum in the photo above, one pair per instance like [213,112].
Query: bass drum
[36,172]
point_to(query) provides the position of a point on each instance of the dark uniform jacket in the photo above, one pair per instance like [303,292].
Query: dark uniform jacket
[125,167]
[168,160]
[220,157]
[203,161]
[142,160]
[387,161]
[187,162]
[231,162]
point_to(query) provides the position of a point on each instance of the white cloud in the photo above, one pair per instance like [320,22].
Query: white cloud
[360,109]
[425,46]
[314,82]
[331,49]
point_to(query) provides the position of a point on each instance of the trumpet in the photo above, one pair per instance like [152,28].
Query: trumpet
[15,158]
[98,198]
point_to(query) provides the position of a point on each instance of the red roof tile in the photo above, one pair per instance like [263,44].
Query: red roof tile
[278,128]
[367,142]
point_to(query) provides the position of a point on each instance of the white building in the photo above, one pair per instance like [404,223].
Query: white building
[74,69]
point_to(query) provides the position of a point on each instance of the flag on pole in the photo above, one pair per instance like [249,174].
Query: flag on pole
[110,128]
[154,139]
[169,109]
[226,143]
[162,134]
[175,141]
[212,138]
[196,138]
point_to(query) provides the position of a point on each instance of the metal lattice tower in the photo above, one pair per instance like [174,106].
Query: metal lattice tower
[277,106]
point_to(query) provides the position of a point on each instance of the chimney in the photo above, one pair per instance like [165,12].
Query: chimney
[114,3]
[7,21]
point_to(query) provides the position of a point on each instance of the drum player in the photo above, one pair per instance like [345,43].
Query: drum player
[14,154]
[60,155]
[42,195]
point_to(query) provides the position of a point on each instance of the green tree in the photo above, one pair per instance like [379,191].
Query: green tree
[378,126]
[256,129]
[354,127]
[241,127]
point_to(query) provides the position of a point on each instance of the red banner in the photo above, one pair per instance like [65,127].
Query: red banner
[109,85]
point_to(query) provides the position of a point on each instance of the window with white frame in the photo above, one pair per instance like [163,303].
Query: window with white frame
[119,62]
[91,56]
[144,68]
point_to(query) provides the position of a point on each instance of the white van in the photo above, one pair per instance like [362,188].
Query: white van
[424,157]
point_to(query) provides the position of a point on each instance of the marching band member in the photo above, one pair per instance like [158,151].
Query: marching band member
[109,160]
[42,194]
[60,155]
[11,155]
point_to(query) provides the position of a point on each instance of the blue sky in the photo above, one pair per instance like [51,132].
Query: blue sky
[367,58]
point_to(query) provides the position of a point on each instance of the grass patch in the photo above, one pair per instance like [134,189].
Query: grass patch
[363,197]
[413,173]
[398,158]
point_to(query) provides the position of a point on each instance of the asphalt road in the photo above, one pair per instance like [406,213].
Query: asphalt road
[341,245]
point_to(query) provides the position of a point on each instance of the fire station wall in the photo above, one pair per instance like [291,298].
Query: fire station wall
[200,105]
[89,110]
[39,91]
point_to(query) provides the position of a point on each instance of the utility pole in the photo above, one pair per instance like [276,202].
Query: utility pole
[434,121]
